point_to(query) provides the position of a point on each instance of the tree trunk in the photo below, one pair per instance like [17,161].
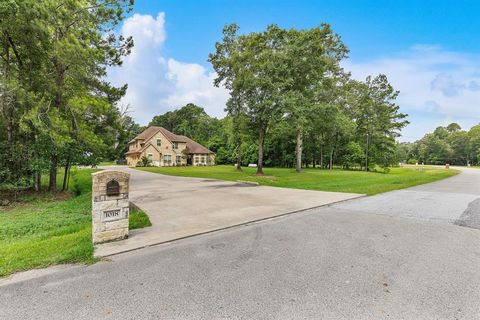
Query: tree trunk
[52,186]
[37,180]
[366,152]
[298,149]
[68,180]
[314,158]
[261,141]
[321,156]
[37,174]
[238,138]
[331,159]
[65,176]
[58,103]
[238,165]
[7,109]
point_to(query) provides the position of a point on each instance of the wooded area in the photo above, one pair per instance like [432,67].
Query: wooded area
[291,103]
[56,107]
[448,144]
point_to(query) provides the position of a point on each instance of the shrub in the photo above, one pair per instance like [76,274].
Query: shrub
[144,162]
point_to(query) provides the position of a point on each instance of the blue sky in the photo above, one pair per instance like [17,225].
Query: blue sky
[430,51]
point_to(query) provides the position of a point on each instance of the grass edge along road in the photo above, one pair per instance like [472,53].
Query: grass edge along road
[369,183]
[48,229]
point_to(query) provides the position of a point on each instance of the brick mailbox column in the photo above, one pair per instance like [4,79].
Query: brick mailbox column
[110,206]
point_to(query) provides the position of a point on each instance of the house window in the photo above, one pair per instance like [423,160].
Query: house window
[150,156]
[179,159]
[159,142]
[167,159]
[175,145]
[203,159]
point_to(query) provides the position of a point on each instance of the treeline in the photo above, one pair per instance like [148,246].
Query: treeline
[292,105]
[219,136]
[444,145]
[56,107]
[289,95]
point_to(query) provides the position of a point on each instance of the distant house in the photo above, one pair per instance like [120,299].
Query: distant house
[164,148]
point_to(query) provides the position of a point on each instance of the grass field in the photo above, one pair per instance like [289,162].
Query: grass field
[49,229]
[108,163]
[315,179]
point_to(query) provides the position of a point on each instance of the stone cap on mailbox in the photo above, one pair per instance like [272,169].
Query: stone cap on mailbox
[109,185]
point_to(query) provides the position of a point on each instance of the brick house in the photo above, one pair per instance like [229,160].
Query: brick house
[165,148]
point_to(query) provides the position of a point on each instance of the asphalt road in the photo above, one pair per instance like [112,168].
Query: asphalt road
[326,263]
[453,200]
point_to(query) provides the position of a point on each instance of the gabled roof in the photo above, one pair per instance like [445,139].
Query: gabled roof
[172,136]
[143,148]
[146,134]
[193,146]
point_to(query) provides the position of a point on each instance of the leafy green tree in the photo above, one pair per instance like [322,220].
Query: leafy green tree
[474,146]
[404,152]
[83,43]
[453,127]
[353,155]
[459,142]
[236,109]
[448,144]
[192,121]
[311,62]
[378,120]
[59,52]
[253,68]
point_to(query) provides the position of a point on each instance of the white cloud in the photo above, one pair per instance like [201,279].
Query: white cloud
[436,86]
[194,84]
[157,83]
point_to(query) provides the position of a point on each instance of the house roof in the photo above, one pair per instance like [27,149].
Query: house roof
[146,134]
[172,136]
[132,152]
[193,146]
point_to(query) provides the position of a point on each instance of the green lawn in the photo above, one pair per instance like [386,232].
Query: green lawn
[50,229]
[316,179]
[138,219]
[109,163]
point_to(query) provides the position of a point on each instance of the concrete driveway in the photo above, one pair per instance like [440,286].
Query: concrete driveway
[179,207]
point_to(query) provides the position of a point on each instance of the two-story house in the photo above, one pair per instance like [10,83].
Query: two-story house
[164,148]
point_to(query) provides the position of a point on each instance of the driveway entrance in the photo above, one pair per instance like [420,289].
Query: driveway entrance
[179,207]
